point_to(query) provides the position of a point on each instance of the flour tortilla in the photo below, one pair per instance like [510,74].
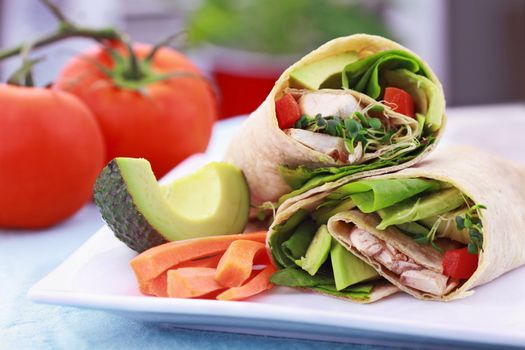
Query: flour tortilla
[260,147]
[494,182]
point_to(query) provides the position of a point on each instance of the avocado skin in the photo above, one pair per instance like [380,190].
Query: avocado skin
[118,210]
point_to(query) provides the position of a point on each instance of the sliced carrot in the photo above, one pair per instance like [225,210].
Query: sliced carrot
[191,282]
[256,285]
[210,261]
[158,286]
[156,260]
[236,264]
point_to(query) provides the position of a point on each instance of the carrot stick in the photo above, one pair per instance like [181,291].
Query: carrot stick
[158,286]
[191,282]
[156,260]
[236,264]
[256,285]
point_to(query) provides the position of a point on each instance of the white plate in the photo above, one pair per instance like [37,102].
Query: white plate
[98,276]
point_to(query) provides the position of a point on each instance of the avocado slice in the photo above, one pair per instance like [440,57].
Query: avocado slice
[417,208]
[348,268]
[212,201]
[317,251]
[326,73]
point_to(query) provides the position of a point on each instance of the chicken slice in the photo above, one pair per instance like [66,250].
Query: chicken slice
[411,274]
[330,145]
[425,280]
[365,242]
[328,103]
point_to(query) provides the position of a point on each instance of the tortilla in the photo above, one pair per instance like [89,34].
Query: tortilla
[485,179]
[260,147]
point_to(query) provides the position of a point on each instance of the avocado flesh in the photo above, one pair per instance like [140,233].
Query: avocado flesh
[212,201]
[348,268]
[317,251]
[326,72]
[417,208]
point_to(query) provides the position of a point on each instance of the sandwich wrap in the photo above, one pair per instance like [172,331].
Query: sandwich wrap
[347,127]
[436,230]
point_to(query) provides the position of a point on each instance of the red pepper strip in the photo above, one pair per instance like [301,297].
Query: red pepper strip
[400,100]
[287,110]
[459,263]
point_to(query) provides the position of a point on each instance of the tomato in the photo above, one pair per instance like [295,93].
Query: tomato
[51,151]
[287,111]
[401,101]
[163,121]
[459,263]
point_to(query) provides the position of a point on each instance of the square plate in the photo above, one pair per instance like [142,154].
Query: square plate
[98,276]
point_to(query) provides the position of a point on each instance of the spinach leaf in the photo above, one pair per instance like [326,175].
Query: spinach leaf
[365,75]
[282,233]
[293,277]
[295,247]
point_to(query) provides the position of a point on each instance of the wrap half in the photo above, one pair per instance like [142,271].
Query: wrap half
[357,106]
[437,230]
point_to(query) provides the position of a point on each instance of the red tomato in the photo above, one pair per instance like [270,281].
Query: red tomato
[51,152]
[165,121]
[458,263]
[401,101]
[287,111]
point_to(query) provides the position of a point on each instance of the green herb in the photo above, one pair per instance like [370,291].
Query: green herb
[331,127]
[376,108]
[320,121]
[375,123]
[472,222]
[362,118]
[303,122]
[352,128]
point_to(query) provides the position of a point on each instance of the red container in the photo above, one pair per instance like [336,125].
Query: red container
[243,78]
[241,93]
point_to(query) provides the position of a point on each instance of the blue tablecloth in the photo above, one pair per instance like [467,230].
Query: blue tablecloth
[27,256]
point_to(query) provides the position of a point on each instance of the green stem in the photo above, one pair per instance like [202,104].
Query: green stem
[134,72]
[164,42]
[65,30]
[63,33]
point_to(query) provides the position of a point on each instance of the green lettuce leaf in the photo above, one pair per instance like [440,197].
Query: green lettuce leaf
[372,195]
[302,179]
[365,75]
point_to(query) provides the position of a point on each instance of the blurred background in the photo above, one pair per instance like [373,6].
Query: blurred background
[476,47]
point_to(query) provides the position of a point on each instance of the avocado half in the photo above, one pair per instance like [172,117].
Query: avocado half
[212,201]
